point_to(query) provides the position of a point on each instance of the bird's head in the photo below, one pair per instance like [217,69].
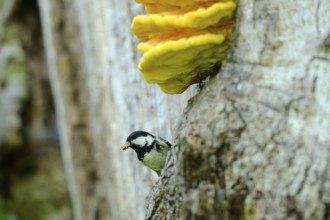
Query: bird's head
[139,141]
[151,150]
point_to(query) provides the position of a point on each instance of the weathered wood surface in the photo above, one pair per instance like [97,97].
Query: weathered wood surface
[255,143]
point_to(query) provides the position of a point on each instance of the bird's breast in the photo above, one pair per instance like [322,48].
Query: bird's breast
[154,160]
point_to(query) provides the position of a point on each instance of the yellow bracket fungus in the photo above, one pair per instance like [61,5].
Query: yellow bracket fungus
[183,40]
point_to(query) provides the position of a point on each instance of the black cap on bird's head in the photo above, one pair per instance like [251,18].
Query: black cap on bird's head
[138,139]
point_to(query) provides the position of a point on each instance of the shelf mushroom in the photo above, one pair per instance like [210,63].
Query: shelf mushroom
[183,41]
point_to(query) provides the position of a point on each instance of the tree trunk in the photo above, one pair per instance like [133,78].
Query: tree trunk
[254,144]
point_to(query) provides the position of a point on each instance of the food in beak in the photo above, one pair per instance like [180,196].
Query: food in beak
[126,145]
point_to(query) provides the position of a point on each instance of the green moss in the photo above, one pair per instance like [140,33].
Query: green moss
[4,214]
[41,193]
[11,32]
[13,83]
[14,61]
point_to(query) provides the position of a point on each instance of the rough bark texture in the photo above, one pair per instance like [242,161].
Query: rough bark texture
[254,144]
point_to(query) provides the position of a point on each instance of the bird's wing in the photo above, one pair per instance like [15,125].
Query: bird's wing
[163,143]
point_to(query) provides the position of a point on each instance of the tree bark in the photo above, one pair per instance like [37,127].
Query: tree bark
[254,144]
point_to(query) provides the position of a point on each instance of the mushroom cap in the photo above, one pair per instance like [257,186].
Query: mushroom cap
[157,6]
[218,14]
[174,65]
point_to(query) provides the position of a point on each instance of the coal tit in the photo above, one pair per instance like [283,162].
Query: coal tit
[151,150]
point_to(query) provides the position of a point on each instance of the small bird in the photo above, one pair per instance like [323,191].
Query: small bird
[151,150]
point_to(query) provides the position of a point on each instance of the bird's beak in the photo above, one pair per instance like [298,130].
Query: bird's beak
[126,145]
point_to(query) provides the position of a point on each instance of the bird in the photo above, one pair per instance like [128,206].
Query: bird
[151,150]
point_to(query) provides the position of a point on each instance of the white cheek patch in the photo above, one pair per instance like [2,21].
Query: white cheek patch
[142,141]
[149,140]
